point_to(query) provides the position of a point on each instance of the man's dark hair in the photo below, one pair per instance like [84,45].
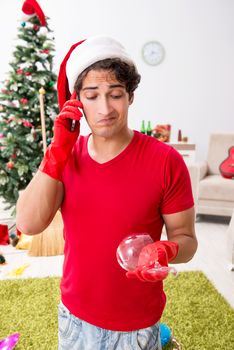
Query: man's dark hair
[125,73]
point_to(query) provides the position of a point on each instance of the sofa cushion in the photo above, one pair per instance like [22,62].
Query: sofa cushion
[216,187]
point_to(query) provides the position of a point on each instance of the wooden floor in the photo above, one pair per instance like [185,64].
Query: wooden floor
[211,257]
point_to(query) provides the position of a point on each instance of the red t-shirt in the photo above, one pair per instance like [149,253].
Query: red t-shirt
[103,204]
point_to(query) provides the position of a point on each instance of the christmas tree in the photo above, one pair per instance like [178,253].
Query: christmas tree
[21,146]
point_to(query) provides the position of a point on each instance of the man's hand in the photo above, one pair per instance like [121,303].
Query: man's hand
[70,111]
[66,131]
[154,255]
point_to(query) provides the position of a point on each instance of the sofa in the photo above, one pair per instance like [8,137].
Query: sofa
[230,243]
[213,194]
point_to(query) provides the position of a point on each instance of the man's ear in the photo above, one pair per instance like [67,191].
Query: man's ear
[131,99]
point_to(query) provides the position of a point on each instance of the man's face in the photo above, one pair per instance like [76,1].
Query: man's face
[105,102]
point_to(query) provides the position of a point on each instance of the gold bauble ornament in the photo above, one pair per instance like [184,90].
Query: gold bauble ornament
[42,91]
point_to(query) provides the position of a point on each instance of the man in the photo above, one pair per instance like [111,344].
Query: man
[109,184]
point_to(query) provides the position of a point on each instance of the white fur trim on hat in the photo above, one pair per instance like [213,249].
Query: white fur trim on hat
[92,50]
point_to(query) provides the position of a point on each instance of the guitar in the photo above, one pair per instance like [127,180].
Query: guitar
[226,168]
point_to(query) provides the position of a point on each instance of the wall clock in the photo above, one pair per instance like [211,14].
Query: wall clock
[153,53]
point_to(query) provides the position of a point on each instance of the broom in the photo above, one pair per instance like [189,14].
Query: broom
[50,241]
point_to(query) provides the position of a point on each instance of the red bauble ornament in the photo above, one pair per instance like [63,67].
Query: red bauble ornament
[36,27]
[27,124]
[20,71]
[10,164]
[24,101]
[27,73]
[13,156]
[46,51]
[5,91]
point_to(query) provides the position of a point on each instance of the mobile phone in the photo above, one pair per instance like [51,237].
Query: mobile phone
[73,122]
[73,125]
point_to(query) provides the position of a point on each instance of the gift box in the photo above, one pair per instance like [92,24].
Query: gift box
[4,235]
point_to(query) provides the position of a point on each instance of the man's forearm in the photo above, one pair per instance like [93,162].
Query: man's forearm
[38,204]
[187,248]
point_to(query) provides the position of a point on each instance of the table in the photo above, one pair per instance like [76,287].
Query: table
[187,150]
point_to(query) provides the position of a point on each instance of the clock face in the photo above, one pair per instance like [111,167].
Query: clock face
[153,53]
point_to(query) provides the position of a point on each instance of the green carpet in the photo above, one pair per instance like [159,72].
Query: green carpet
[198,316]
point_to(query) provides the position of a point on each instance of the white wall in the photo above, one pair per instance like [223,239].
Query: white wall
[192,89]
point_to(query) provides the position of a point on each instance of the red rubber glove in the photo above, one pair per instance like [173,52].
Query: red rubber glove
[58,152]
[160,252]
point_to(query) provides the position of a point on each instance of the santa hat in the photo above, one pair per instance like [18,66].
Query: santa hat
[83,54]
[31,8]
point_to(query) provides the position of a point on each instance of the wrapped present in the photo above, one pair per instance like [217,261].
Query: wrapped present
[24,242]
[4,235]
